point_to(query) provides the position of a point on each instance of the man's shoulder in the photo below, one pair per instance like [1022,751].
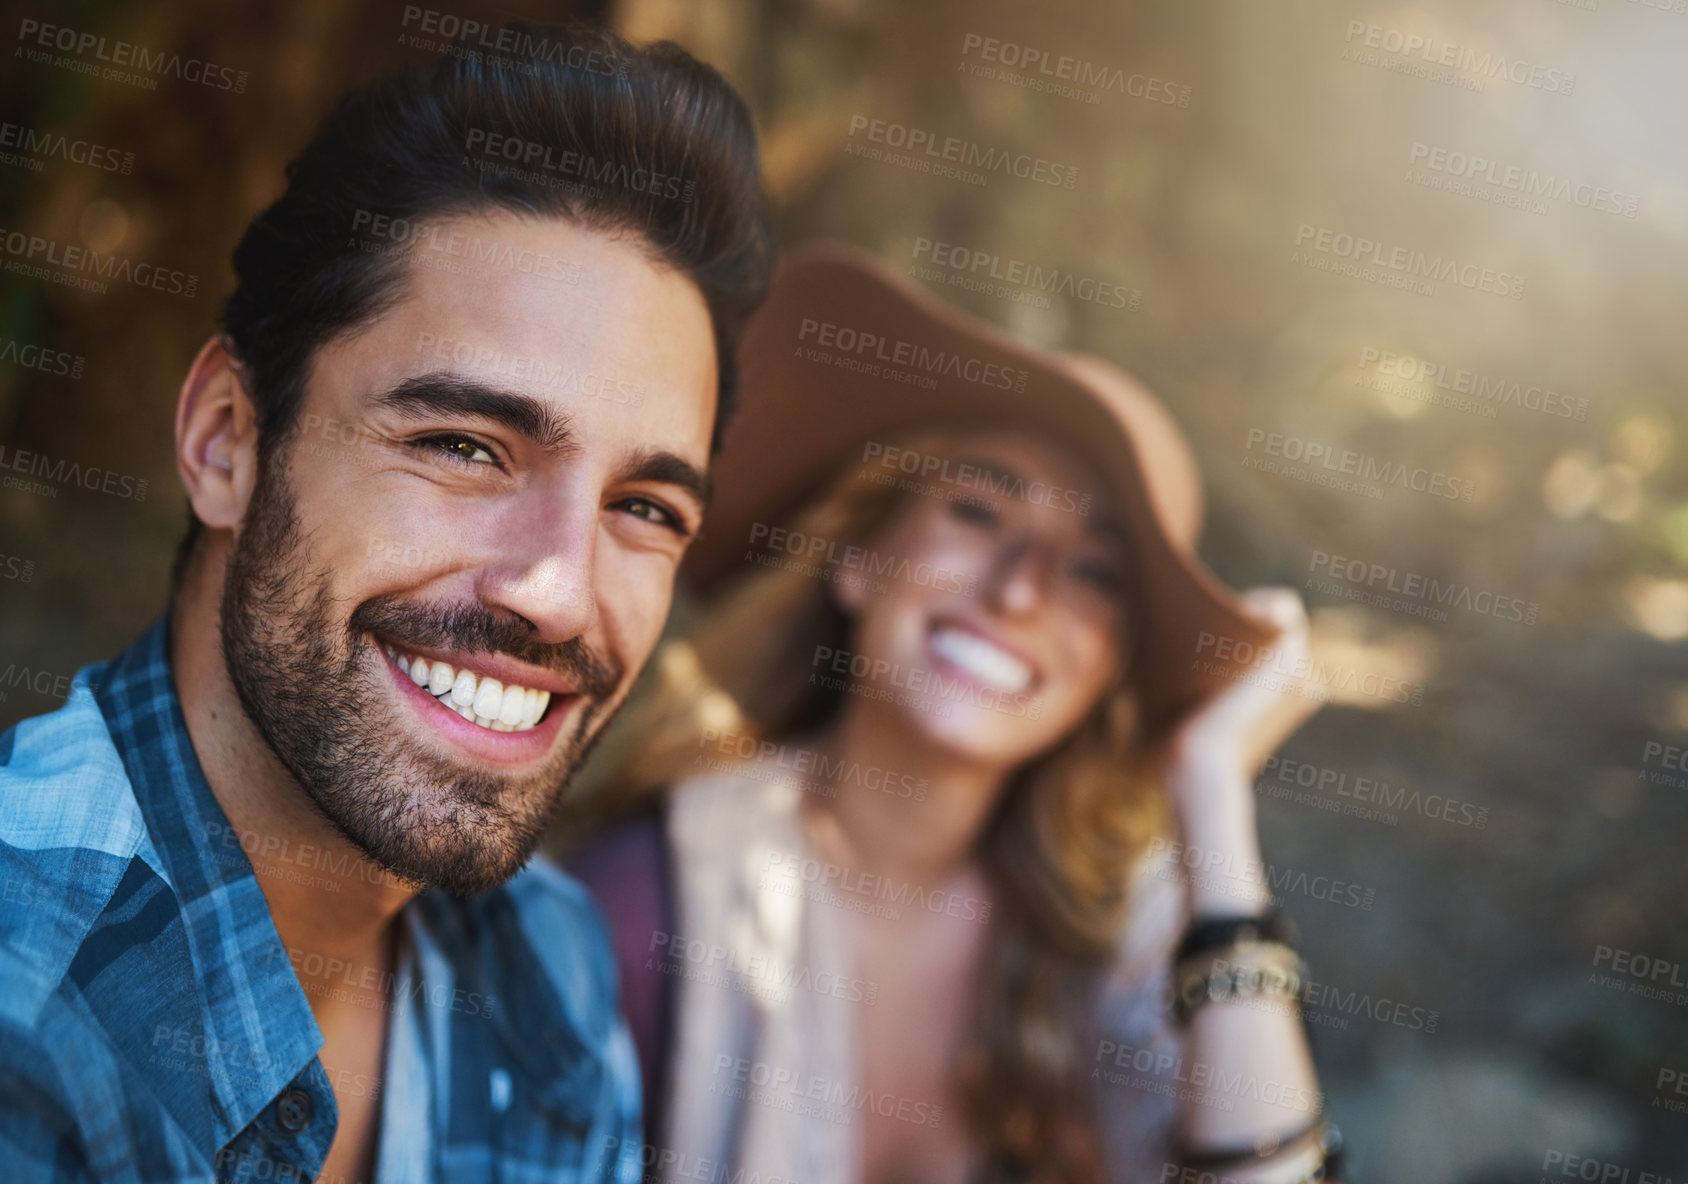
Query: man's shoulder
[62,780]
[79,893]
[70,828]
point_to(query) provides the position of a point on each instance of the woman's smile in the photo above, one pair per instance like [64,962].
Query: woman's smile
[970,652]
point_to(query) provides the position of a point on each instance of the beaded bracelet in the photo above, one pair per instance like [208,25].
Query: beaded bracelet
[1250,970]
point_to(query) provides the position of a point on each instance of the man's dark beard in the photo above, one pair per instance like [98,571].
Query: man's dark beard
[333,722]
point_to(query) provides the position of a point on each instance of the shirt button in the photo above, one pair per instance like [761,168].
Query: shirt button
[293,1110]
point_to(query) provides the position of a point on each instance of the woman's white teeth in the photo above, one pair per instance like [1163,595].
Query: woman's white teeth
[486,701]
[988,663]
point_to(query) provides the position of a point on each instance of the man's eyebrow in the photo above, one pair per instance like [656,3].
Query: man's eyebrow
[439,393]
[658,464]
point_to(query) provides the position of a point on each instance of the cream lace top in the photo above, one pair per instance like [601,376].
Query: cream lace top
[763,1085]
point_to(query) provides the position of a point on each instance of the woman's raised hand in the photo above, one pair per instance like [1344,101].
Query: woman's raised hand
[1237,730]
[1216,751]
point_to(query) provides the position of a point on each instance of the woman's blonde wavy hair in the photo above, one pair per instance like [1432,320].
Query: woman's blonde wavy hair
[1057,851]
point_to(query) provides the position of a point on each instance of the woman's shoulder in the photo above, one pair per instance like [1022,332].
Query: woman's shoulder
[731,804]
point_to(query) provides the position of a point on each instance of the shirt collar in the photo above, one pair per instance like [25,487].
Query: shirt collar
[259,1029]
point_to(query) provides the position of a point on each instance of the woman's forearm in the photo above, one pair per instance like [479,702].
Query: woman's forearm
[1252,1050]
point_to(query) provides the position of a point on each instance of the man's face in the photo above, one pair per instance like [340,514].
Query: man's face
[486,498]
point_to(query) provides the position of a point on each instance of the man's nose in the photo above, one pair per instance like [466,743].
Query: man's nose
[547,574]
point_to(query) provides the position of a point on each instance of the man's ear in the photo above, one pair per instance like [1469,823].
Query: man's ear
[216,438]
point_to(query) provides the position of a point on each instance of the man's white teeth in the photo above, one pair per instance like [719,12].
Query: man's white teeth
[512,709]
[462,687]
[488,696]
[486,701]
[988,663]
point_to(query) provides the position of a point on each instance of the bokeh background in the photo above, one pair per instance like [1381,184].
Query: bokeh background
[1222,210]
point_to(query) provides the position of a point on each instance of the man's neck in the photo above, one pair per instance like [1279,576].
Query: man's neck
[331,906]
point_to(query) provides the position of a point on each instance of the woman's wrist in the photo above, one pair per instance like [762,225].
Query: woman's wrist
[1241,898]
[1226,879]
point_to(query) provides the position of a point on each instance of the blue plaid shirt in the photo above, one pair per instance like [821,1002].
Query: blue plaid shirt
[152,1027]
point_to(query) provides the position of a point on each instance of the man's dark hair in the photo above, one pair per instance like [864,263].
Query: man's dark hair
[563,122]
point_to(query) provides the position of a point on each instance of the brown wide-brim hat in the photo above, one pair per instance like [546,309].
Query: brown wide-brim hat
[846,351]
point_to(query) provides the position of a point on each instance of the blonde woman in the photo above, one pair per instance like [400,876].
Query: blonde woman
[938,861]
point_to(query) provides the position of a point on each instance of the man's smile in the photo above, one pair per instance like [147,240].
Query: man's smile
[476,695]
[500,720]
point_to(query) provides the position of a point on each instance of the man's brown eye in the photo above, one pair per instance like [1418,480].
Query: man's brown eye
[456,447]
[655,513]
